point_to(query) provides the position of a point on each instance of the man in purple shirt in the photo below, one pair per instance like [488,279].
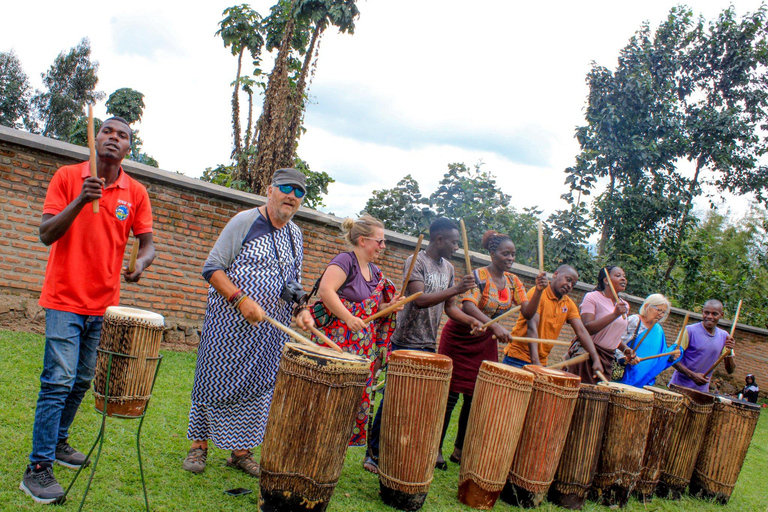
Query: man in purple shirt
[706,343]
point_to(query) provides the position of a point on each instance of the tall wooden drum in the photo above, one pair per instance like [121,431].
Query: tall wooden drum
[411,424]
[495,421]
[666,406]
[725,446]
[544,432]
[621,455]
[132,337]
[313,410]
[578,463]
[685,441]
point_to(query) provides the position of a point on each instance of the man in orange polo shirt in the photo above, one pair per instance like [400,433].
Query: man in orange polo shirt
[555,308]
[81,280]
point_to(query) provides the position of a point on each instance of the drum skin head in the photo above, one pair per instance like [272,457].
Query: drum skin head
[318,352]
[422,358]
[550,373]
[627,389]
[496,368]
[135,314]
[654,389]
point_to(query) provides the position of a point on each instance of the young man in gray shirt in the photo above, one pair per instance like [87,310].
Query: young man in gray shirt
[419,321]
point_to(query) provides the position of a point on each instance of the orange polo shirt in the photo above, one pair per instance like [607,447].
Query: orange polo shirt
[85,264]
[553,313]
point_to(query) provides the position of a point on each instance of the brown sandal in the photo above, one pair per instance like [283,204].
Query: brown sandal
[245,463]
[370,465]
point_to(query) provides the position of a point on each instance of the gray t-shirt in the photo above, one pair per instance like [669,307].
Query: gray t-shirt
[417,327]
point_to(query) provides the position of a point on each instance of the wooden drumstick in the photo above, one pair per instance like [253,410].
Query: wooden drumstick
[568,362]
[736,319]
[465,240]
[500,317]
[656,356]
[317,332]
[290,332]
[726,353]
[92,149]
[541,246]
[682,330]
[390,309]
[134,255]
[410,268]
[539,340]
[601,376]
[613,290]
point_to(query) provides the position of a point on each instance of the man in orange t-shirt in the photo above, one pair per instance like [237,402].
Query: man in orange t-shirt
[555,308]
[82,279]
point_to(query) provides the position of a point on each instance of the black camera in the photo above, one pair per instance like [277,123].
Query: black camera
[293,292]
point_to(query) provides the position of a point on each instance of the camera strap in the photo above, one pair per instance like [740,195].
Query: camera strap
[274,246]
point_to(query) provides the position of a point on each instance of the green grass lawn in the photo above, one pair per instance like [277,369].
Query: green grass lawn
[117,485]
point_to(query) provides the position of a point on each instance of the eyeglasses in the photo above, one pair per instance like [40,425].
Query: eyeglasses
[662,311]
[380,241]
[287,189]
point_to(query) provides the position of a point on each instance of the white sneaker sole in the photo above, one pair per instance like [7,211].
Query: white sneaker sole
[70,466]
[24,488]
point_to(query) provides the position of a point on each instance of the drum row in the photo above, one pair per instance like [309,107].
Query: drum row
[532,433]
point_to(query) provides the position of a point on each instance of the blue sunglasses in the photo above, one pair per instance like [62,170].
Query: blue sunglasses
[287,189]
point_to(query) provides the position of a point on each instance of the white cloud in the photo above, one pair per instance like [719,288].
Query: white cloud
[492,81]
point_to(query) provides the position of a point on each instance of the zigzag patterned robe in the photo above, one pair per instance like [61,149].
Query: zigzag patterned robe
[237,362]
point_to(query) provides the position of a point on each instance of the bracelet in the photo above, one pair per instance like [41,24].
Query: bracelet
[235,296]
[239,301]
[299,308]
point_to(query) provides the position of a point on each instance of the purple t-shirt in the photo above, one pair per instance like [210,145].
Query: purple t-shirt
[702,351]
[357,288]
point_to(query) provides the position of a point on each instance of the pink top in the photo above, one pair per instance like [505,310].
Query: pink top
[599,305]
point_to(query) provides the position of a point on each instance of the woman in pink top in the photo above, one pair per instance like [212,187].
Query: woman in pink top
[605,319]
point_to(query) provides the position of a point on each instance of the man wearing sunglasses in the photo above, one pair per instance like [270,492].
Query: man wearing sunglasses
[254,270]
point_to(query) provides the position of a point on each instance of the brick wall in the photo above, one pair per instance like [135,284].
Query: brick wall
[188,215]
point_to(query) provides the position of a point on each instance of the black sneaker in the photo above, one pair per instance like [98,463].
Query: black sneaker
[69,457]
[41,485]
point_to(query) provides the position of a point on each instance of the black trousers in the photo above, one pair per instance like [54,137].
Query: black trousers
[453,399]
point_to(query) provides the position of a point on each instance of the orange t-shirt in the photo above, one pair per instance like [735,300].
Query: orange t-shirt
[85,265]
[553,313]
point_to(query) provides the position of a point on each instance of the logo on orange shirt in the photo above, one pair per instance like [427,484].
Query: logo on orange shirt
[121,212]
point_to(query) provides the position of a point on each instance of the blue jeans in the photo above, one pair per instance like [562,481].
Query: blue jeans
[69,365]
[513,361]
[374,434]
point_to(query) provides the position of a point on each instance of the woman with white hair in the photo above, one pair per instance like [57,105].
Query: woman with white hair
[645,337]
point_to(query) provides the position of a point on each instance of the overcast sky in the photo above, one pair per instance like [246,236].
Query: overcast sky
[419,85]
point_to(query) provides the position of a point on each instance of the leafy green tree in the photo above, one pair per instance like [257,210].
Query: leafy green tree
[297,25]
[726,260]
[79,133]
[126,103]
[15,92]
[726,110]
[567,235]
[686,91]
[402,208]
[129,104]
[317,182]
[241,30]
[71,84]
[469,194]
